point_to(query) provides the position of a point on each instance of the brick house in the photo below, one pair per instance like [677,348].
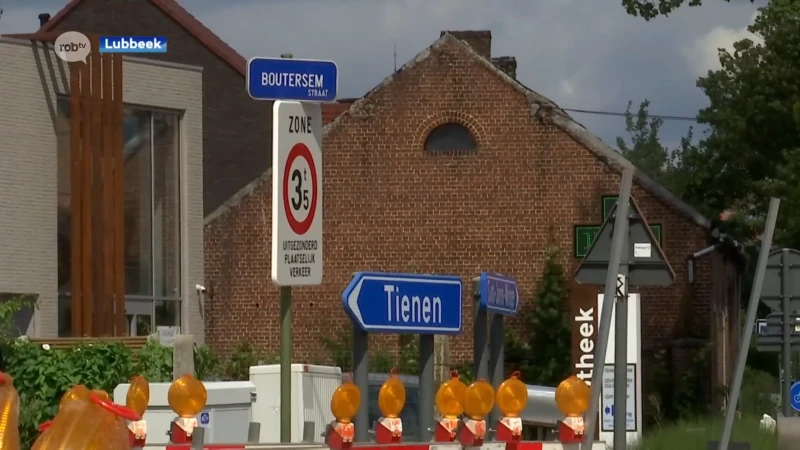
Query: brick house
[452,166]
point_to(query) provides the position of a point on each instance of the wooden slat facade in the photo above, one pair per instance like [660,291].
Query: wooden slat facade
[97,162]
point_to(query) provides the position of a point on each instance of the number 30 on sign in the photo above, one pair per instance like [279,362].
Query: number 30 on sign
[296,194]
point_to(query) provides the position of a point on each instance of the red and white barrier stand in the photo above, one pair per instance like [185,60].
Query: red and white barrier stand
[137,433]
[472,432]
[446,430]
[340,435]
[389,430]
[570,430]
[181,430]
[509,430]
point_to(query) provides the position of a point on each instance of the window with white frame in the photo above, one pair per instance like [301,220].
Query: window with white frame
[152,218]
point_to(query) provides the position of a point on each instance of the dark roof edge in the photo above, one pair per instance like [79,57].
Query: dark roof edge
[237,198]
[541,107]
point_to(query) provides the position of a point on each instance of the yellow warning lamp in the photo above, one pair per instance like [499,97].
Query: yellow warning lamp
[392,396]
[512,396]
[450,397]
[478,399]
[345,402]
[572,396]
[187,396]
[138,395]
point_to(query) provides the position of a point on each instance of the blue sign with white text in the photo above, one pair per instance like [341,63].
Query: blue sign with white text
[795,393]
[133,44]
[292,79]
[404,303]
[499,294]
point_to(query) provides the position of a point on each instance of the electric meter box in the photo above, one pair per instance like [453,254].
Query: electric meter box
[226,417]
[312,389]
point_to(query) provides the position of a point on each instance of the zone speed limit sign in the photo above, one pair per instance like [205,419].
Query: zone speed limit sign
[296,194]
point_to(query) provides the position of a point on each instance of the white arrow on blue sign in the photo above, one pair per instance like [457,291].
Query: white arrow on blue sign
[795,393]
[404,303]
[499,294]
[303,80]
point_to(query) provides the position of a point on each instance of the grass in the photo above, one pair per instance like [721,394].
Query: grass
[696,435]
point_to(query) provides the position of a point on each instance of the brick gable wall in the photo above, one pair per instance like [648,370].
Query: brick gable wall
[391,206]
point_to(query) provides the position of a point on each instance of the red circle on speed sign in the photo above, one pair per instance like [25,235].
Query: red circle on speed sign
[299,150]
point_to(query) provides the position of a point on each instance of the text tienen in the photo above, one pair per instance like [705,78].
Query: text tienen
[412,309]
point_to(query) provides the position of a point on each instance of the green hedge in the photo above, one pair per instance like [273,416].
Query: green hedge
[42,375]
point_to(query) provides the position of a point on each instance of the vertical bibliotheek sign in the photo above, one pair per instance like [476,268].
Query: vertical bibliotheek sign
[297,194]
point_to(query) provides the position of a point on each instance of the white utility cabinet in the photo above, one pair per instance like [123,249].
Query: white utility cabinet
[226,417]
[312,388]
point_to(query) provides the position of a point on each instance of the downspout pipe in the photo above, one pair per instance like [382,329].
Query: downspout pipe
[699,254]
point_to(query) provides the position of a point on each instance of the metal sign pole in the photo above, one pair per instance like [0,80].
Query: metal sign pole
[361,380]
[787,335]
[286,364]
[747,334]
[426,380]
[621,359]
[496,359]
[480,339]
[618,241]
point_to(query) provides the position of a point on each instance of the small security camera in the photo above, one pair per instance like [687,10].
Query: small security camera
[200,289]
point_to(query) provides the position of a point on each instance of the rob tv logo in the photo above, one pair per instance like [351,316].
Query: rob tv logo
[133,44]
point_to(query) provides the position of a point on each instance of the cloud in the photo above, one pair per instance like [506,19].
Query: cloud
[582,55]
[567,89]
[703,54]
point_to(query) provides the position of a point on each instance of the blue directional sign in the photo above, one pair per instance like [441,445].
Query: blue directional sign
[292,79]
[404,303]
[795,393]
[499,294]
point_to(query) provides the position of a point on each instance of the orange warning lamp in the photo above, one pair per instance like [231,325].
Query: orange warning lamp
[77,392]
[450,397]
[101,394]
[187,396]
[478,399]
[9,414]
[345,402]
[138,395]
[572,398]
[392,396]
[391,400]
[512,396]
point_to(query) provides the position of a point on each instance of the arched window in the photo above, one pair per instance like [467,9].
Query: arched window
[450,137]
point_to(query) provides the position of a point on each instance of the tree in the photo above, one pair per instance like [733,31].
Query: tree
[649,9]
[547,358]
[647,153]
[750,150]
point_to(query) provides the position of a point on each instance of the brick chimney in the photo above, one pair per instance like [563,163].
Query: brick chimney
[479,40]
[507,64]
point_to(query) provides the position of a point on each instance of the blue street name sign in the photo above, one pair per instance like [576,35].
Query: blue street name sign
[404,303]
[292,79]
[499,294]
[795,393]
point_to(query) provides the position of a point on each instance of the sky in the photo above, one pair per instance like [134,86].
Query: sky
[587,55]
